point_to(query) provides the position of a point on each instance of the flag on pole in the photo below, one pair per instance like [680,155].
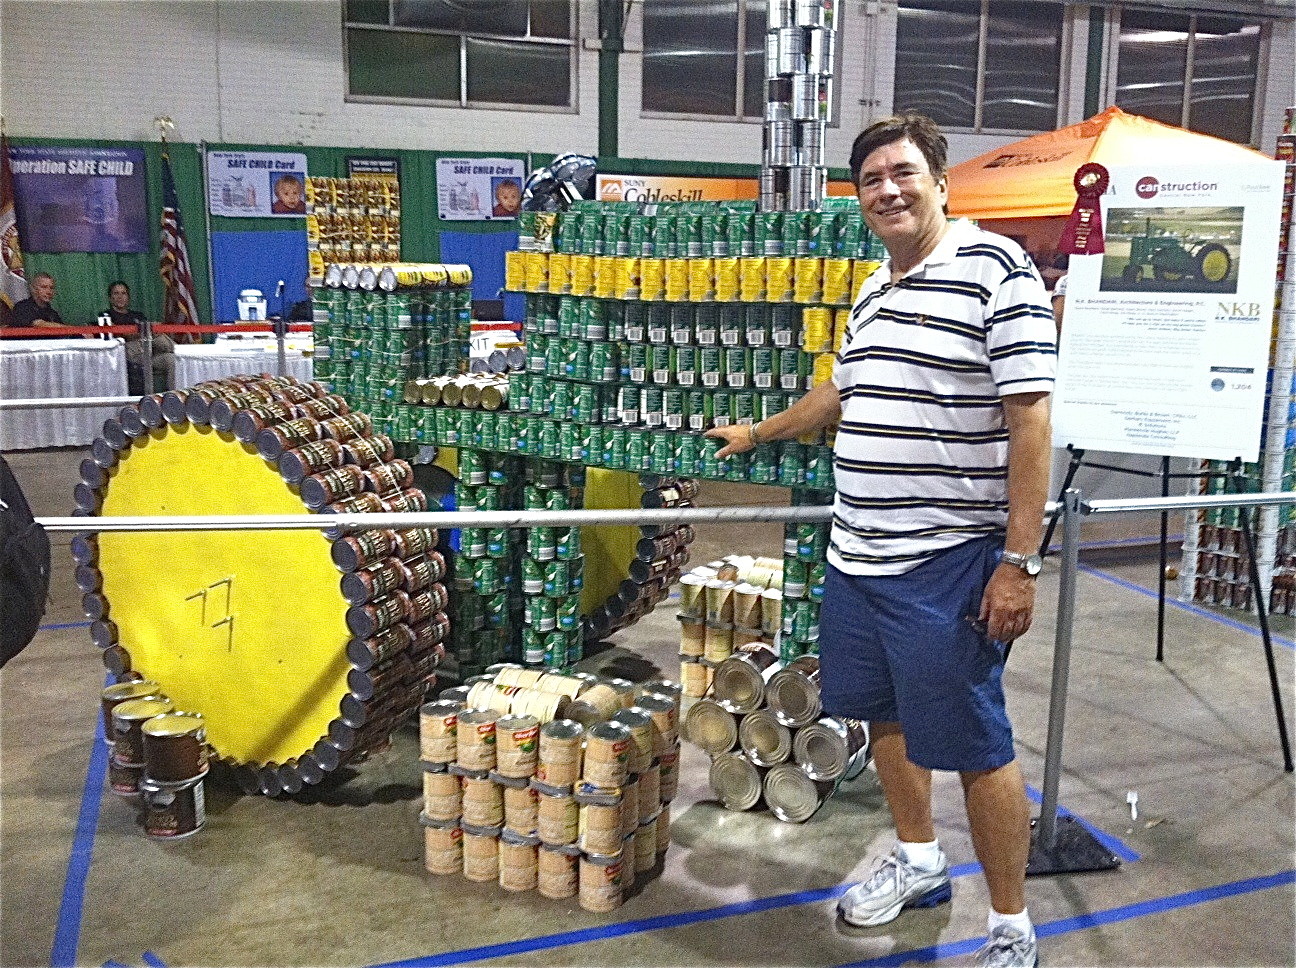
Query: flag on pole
[177,279]
[13,283]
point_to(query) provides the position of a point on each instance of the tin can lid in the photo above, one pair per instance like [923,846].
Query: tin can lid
[175,724]
[634,717]
[441,707]
[610,731]
[562,729]
[135,710]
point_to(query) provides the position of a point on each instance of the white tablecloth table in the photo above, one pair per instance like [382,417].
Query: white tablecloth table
[40,368]
[227,357]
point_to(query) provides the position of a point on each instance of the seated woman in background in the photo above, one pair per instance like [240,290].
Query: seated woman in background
[163,348]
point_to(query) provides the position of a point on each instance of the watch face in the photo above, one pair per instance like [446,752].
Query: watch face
[1033,564]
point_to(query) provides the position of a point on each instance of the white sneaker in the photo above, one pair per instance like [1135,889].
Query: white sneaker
[893,886]
[1008,948]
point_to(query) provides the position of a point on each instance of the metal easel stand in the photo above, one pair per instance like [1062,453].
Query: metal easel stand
[1061,845]
[280,327]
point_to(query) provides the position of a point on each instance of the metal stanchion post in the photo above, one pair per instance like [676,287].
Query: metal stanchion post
[1061,845]
[281,333]
[146,336]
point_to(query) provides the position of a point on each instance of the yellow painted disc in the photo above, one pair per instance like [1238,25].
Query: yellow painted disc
[247,628]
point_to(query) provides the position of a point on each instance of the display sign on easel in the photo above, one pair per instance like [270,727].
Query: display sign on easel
[1165,348]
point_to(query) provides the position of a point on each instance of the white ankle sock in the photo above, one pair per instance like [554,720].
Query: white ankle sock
[1021,922]
[924,856]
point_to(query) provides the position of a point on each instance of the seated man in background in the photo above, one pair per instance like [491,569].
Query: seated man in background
[36,310]
[163,348]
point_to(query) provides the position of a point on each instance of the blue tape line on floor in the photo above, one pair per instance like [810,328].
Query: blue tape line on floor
[1186,606]
[67,934]
[152,960]
[64,625]
[1126,912]
[607,931]
[1116,846]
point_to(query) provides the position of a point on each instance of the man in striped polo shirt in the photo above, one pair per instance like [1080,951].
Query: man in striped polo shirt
[941,397]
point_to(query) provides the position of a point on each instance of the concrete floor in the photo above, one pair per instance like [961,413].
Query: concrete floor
[335,876]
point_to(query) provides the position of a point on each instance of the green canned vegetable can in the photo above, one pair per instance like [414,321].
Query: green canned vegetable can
[591,445]
[791,465]
[549,440]
[661,453]
[812,540]
[559,403]
[488,499]
[630,404]
[636,323]
[533,497]
[540,394]
[533,652]
[540,544]
[567,543]
[697,409]
[795,578]
[537,351]
[557,579]
[555,358]
[722,408]
[688,450]
[785,325]
[761,468]
[568,312]
[732,324]
[532,576]
[743,408]
[706,324]
[557,499]
[659,317]
[569,614]
[497,543]
[659,364]
[763,366]
[673,408]
[586,406]
[568,441]
[602,362]
[614,314]
[756,322]
[636,450]
[555,650]
[519,391]
[614,448]
[737,366]
[817,577]
[710,367]
[594,319]
[708,462]
[638,360]
[485,575]
[681,324]
[686,363]
[652,406]
[578,363]
[769,404]
[540,613]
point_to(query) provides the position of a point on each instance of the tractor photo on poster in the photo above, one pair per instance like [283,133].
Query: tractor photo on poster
[1172,250]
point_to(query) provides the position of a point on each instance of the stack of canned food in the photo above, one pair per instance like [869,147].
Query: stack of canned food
[761,724]
[660,555]
[517,591]
[549,782]
[379,326]
[351,219]
[737,598]
[391,579]
[158,757]
[800,54]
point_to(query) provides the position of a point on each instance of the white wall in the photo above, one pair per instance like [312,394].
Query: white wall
[256,71]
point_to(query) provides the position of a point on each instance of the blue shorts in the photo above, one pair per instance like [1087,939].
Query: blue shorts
[900,648]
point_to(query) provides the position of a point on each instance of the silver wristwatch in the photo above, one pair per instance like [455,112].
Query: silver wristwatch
[1031,564]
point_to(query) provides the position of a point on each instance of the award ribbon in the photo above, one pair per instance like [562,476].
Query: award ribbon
[1083,232]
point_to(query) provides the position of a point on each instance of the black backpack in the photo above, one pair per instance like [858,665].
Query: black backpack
[24,568]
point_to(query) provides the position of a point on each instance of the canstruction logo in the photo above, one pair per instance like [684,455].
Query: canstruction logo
[1149,187]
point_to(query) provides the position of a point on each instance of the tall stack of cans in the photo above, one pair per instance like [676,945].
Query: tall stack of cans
[761,723]
[486,595]
[351,218]
[555,783]
[800,55]
[805,562]
[738,598]
[379,326]
[1216,567]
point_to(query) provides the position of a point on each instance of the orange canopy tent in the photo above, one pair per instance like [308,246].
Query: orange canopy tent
[1033,177]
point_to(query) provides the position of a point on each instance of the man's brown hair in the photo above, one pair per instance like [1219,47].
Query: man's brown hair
[918,128]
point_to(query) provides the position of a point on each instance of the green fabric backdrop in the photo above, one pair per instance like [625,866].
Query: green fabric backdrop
[83,278]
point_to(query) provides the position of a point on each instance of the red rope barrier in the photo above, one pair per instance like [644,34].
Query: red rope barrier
[228,328]
[18,332]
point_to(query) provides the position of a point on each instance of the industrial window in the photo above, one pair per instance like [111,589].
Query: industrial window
[471,53]
[691,60]
[1195,72]
[980,64]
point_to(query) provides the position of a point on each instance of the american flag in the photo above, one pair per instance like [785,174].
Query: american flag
[13,284]
[177,278]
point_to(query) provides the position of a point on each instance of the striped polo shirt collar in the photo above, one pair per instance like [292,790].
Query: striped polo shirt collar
[945,252]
